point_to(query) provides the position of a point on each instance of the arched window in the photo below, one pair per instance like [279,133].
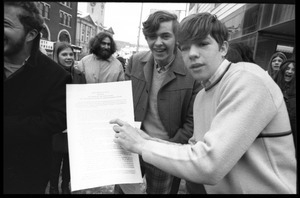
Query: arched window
[64,37]
[44,34]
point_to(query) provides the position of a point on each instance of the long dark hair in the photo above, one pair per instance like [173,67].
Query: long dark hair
[244,50]
[95,43]
[271,71]
[288,88]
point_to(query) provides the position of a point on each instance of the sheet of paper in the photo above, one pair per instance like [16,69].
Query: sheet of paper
[95,160]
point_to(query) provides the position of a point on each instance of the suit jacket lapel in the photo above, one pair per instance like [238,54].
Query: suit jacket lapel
[176,67]
[148,63]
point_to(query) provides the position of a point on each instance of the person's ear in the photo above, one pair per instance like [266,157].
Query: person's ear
[224,48]
[31,35]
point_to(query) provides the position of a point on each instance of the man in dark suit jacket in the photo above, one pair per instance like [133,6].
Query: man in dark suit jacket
[34,101]
[163,94]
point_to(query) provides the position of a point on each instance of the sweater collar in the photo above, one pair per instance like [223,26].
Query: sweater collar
[217,76]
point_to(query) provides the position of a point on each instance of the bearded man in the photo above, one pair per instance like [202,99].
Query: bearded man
[34,101]
[100,66]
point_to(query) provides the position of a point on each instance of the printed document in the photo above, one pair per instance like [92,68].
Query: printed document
[95,160]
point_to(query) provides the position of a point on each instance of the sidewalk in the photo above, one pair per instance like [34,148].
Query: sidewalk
[109,189]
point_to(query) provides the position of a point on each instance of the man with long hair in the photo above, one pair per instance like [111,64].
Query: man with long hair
[100,66]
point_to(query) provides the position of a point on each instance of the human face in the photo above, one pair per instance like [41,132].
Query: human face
[276,62]
[66,57]
[289,72]
[14,32]
[105,43]
[105,48]
[162,43]
[203,58]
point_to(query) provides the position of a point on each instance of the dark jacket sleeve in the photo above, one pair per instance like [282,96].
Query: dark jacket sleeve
[184,133]
[78,77]
[128,68]
[36,108]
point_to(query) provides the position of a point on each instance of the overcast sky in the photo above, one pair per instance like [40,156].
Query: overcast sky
[124,18]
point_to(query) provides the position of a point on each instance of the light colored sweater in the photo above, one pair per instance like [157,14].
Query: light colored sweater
[152,123]
[100,71]
[224,152]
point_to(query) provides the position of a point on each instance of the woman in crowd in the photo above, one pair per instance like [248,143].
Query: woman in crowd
[274,64]
[64,55]
[286,80]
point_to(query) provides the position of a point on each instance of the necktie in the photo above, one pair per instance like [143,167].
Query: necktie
[160,68]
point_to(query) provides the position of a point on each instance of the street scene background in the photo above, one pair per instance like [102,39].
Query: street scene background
[265,28]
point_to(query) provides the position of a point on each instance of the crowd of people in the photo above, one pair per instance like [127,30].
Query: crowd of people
[210,115]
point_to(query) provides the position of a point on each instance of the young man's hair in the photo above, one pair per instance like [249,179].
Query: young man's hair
[233,55]
[151,25]
[31,18]
[244,50]
[95,43]
[196,27]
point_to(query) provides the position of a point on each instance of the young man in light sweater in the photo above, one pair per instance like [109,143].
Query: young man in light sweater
[242,140]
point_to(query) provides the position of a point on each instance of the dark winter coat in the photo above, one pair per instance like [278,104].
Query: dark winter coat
[34,102]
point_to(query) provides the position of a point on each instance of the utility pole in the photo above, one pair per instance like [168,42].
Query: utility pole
[138,39]
[186,9]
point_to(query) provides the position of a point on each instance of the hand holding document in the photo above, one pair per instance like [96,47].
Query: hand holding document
[95,160]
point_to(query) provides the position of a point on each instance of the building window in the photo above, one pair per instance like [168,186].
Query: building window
[61,16]
[65,18]
[191,6]
[66,3]
[82,32]
[87,33]
[283,13]
[217,4]
[92,33]
[64,36]
[266,15]
[46,14]
[44,9]
[69,21]
[250,23]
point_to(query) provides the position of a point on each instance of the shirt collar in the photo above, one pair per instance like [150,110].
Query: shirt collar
[206,84]
[163,68]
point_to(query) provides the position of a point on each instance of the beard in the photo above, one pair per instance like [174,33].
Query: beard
[104,54]
[13,47]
